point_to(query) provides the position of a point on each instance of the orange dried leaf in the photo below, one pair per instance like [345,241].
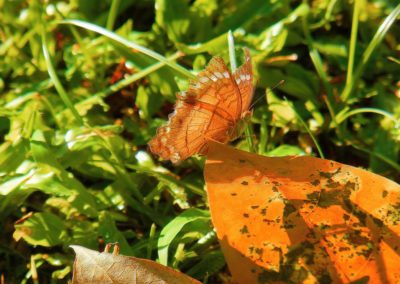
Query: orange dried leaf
[302,219]
[95,267]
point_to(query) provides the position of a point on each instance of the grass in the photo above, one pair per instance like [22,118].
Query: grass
[84,87]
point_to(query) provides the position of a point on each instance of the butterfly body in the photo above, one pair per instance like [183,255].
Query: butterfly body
[215,107]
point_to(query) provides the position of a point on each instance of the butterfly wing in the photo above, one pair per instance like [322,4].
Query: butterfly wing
[186,132]
[207,110]
[211,107]
[244,80]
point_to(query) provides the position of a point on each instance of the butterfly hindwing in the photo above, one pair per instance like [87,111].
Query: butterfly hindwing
[182,136]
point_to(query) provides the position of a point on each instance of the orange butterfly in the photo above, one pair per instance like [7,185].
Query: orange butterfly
[215,107]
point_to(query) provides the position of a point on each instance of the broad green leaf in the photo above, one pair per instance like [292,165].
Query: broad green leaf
[148,100]
[384,145]
[213,46]
[47,161]
[43,229]
[282,112]
[170,232]
[12,201]
[244,12]
[85,233]
[209,264]
[285,150]
[172,16]
[111,234]
[12,154]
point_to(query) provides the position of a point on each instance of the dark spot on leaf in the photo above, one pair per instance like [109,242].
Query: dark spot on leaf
[244,230]
[351,186]
[346,217]
[254,206]
[288,226]
[329,174]
[384,193]
[242,161]
[245,182]
[245,215]
[378,222]
[251,250]
[259,251]
[332,184]
[324,227]
[364,280]
[311,235]
[355,238]
[289,209]
[233,193]
[313,196]
[268,276]
[276,183]
[263,211]
[359,214]
[315,182]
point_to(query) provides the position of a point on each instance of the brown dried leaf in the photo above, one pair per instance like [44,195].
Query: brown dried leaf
[94,267]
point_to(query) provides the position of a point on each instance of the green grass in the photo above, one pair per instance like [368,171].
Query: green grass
[84,85]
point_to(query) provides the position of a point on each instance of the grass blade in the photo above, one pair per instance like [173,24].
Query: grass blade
[127,43]
[376,40]
[113,14]
[353,42]
[56,81]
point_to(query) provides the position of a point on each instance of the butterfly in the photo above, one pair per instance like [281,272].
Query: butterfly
[215,107]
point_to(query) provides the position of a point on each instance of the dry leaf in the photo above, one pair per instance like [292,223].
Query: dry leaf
[302,219]
[95,267]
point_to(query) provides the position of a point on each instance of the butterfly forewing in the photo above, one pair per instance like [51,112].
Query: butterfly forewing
[212,105]
[216,88]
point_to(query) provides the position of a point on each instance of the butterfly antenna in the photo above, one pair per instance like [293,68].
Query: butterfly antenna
[269,90]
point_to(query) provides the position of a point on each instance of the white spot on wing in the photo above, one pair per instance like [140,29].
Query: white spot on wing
[219,75]
[237,80]
[204,79]
[247,76]
[213,78]
[226,74]
[175,157]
